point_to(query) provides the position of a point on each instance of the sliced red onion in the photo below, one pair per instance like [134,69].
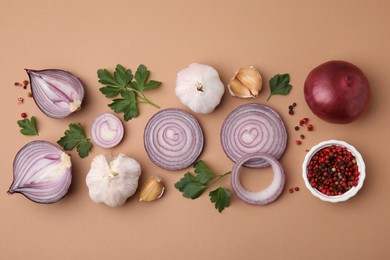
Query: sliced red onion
[253,128]
[57,93]
[42,172]
[173,139]
[107,130]
[265,196]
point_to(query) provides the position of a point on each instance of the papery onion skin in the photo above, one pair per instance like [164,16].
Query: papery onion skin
[109,125]
[269,194]
[42,172]
[166,139]
[337,92]
[57,93]
[253,128]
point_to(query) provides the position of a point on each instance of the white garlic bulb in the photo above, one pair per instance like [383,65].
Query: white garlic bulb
[113,182]
[199,88]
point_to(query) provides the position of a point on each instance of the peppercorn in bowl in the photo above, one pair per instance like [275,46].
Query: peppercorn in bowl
[333,171]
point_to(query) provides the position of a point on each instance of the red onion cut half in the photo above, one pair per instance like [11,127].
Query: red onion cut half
[107,130]
[263,197]
[253,128]
[173,139]
[42,172]
[57,93]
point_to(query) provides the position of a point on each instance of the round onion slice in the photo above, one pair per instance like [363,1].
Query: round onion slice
[57,93]
[265,196]
[173,139]
[253,128]
[42,172]
[107,130]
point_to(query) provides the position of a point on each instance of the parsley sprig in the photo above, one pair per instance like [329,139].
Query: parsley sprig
[192,186]
[73,137]
[129,87]
[28,126]
[280,85]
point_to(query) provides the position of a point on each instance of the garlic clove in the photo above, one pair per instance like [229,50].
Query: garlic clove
[152,189]
[246,83]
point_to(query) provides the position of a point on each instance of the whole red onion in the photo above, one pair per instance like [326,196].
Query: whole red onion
[337,92]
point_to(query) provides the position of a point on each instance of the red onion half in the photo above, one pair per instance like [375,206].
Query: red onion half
[42,172]
[269,194]
[57,93]
[337,92]
[107,130]
[173,139]
[253,128]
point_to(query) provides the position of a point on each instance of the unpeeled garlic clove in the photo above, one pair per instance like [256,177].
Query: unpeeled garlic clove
[247,83]
[152,189]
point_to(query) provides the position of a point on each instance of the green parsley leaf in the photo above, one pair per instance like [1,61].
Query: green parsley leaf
[204,174]
[141,75]
[126,104]
[106,78]
[280,85]
[73,137]
[28,127]
[122,75]
[190,186]
[152,84]
[110,91]
[221,198]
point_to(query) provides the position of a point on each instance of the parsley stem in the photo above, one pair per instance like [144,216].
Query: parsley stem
[220,177]
[145,100]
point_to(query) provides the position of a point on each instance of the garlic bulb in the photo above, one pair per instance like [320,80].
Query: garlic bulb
[113,182]
[199,88]
[247,83]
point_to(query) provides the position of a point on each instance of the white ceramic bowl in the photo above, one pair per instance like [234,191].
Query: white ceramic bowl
[359,160]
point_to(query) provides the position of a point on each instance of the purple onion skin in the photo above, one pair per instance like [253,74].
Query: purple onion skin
[16,189]
[69,78]
[337,92]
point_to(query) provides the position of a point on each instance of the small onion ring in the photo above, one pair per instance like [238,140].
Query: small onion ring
[107,130]
[253,128]
[173,139]
[263,197]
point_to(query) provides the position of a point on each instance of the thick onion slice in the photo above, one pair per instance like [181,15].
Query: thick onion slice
[107,130]
[253,128]
[265,196]
[42,172]
[57,93]
[173,139]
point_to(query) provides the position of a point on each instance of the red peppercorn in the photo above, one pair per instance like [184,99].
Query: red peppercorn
[309,127]
[291,112]
[291,190]
[23,115]
[298,142]
[25,82]
[294,104]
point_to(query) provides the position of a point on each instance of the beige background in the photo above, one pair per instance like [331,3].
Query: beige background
[276,37]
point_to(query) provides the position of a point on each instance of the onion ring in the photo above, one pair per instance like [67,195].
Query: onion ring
[265,196]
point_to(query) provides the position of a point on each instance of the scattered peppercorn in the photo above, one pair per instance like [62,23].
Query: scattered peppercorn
[23,115]
[309,127]
[291,190]
[296,188]
[25,82]
[29,94]
[294,104]
[302,137]
[298,142]
[291,108]
[20,100]
[291,112]
[296,128]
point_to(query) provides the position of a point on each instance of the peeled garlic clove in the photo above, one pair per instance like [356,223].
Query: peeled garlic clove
[247,83]
[57,93]
[152,189]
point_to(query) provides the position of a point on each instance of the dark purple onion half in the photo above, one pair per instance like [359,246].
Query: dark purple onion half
[42,172]
[253,128]
[107,130]
[265,196]
[57,93]
[173,139]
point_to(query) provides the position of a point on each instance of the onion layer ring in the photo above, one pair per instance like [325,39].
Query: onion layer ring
[173,139]
[253,128]
[265,196]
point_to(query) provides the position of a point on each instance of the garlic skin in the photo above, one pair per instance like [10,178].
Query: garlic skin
[199,87]
[113,182]
[246,83]
[152,189]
